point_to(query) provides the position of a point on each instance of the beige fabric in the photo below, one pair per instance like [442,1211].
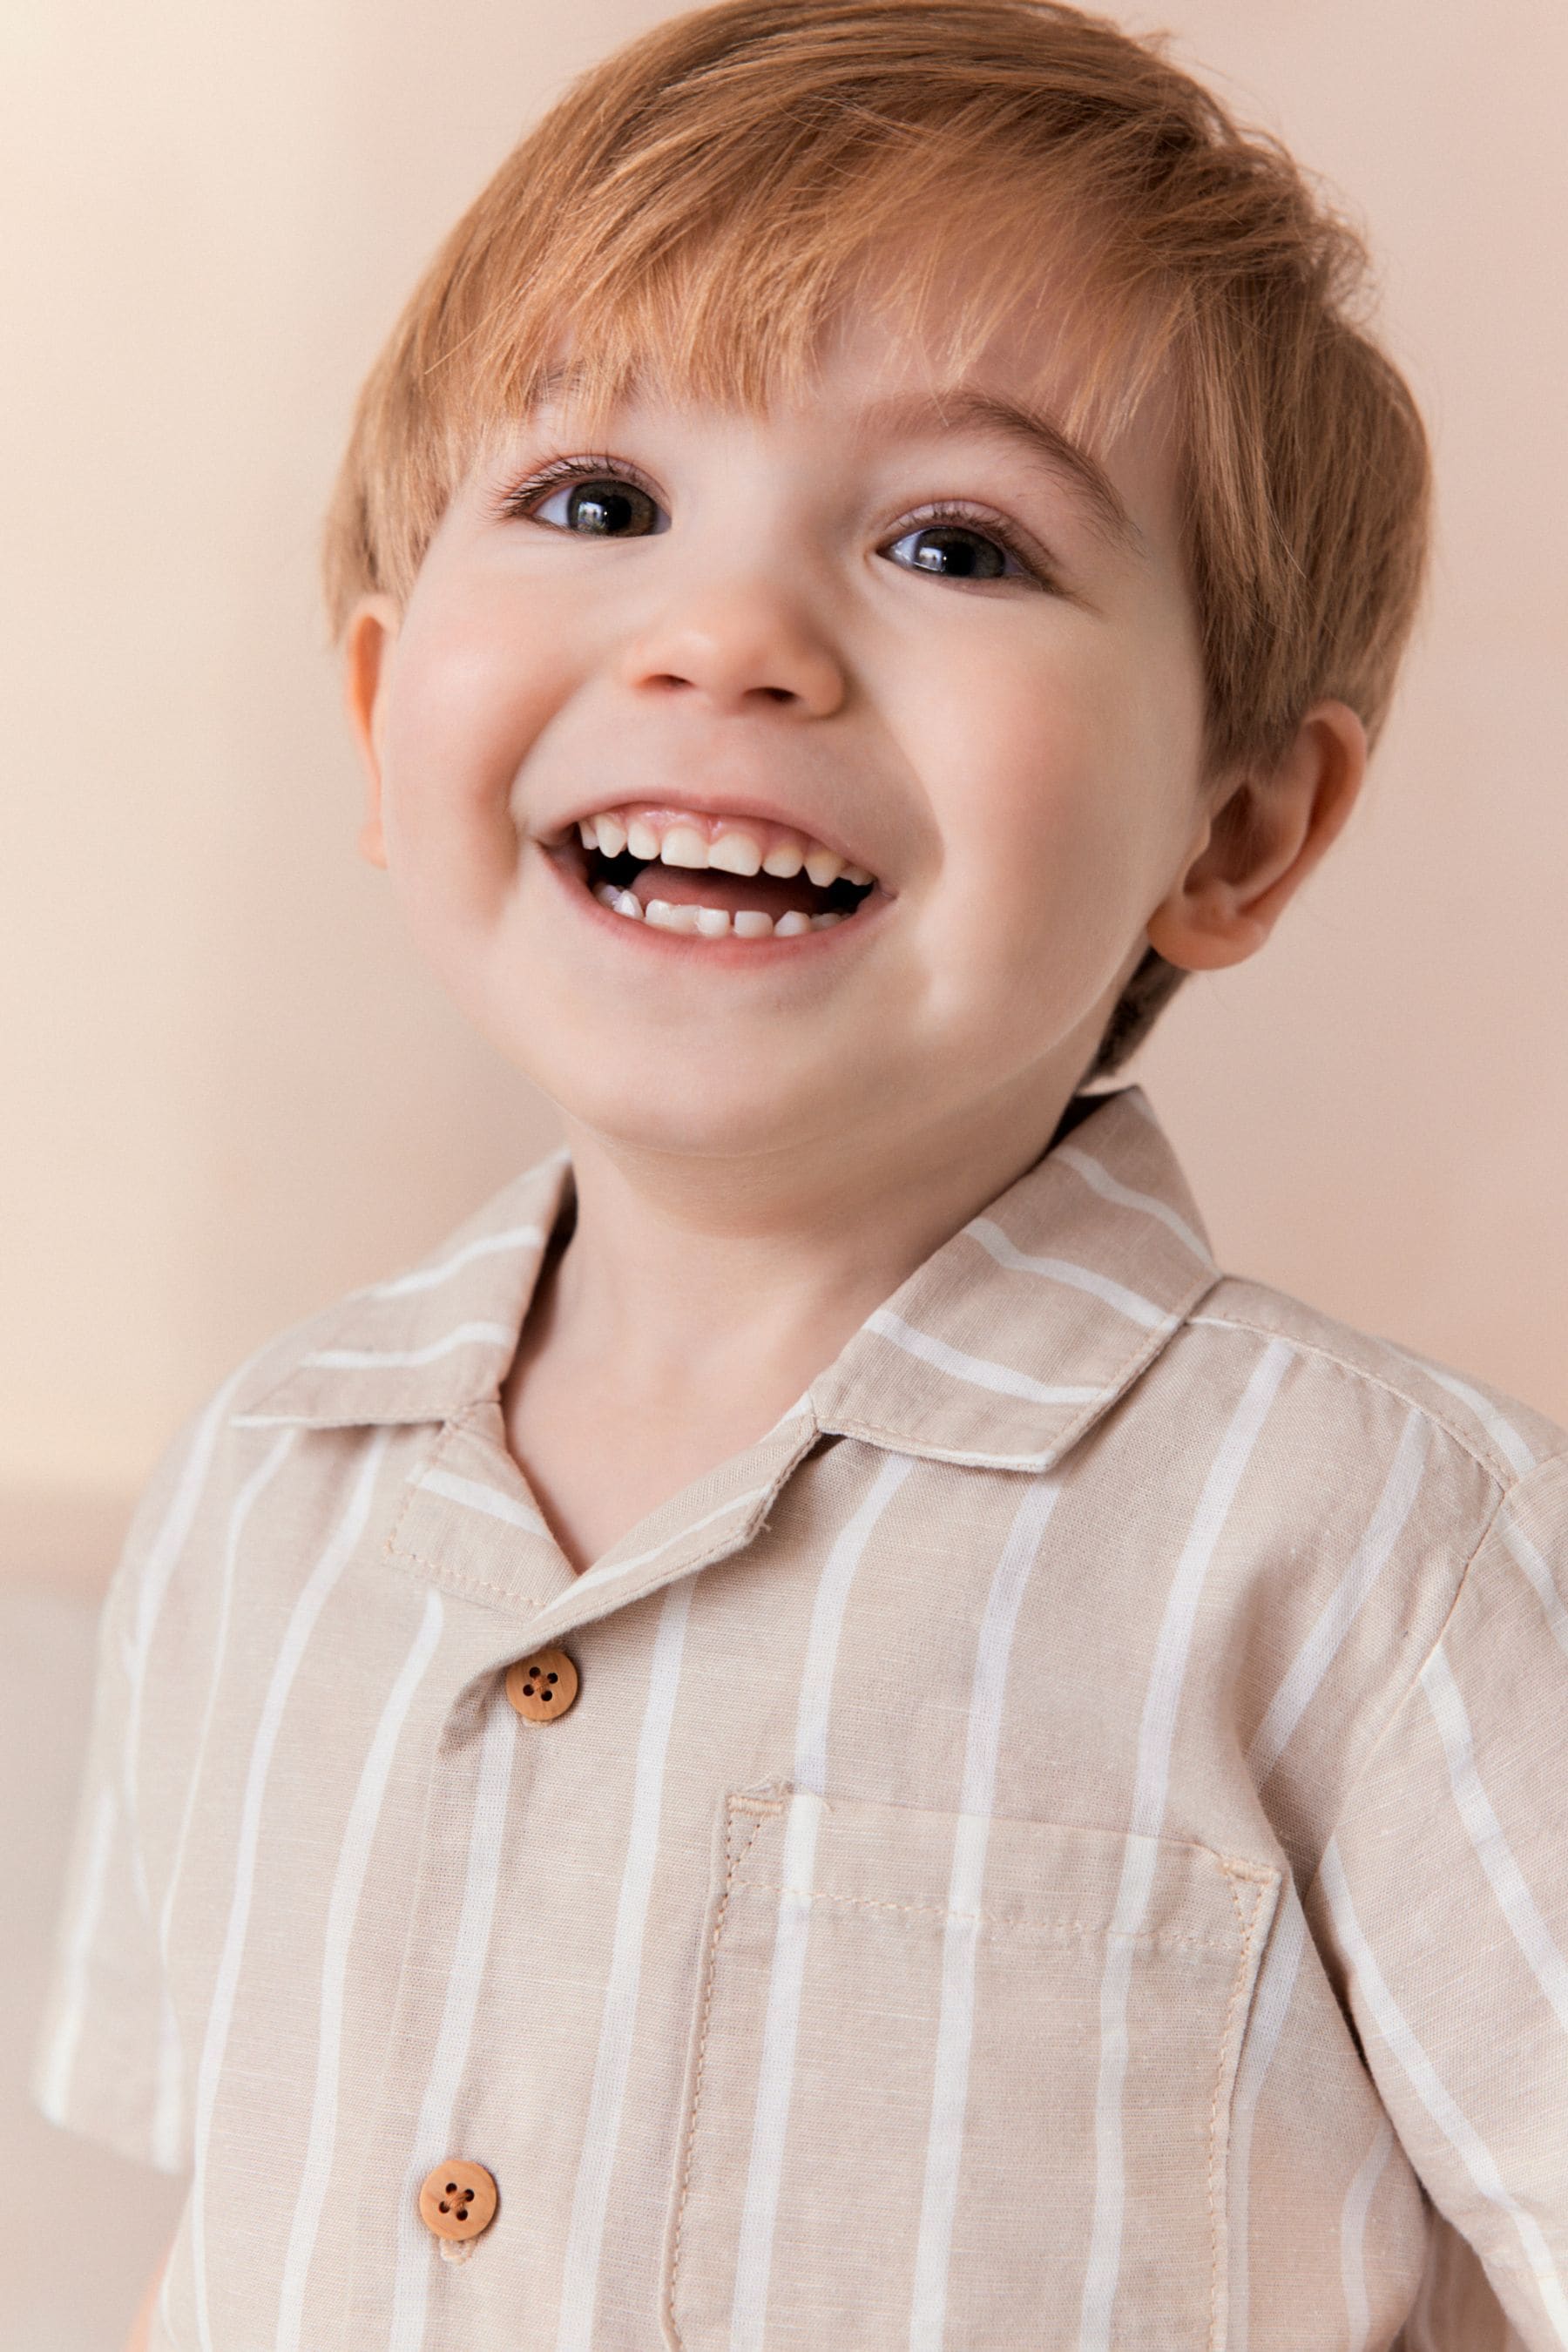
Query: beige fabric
[1062,1844]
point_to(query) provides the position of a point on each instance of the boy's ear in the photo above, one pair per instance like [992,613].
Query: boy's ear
[1254,849]
[367,640]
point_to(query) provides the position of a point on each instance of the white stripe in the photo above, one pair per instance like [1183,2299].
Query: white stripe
[591,2194]
[348,1882]
[1353,2234]
[1541,1579]
[1157,1727]
[1155,1733]
[465,1974]
[426,1277]
[1502,1431]
[162,1557]
[1454,2125]
[999,1378]
[166,2129]
[1271,2006]
[163,1554]
[754,2254]
[391,1360]
[220,2016]
[1519,1907]
[1304,1676]
[477,1496]
[1111,1188]
[168,2104]
[827,1621]
[955,2026]
[53,2086]
[1006,1253]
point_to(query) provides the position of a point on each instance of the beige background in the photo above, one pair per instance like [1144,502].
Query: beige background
[211,217]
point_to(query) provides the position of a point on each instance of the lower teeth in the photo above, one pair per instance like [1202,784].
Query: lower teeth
[712,922]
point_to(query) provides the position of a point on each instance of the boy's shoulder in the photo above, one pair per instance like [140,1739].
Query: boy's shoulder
[1502,1436]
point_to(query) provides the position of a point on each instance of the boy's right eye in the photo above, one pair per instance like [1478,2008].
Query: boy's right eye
[593,500]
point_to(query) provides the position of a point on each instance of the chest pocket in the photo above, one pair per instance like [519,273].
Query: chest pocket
[958,2085]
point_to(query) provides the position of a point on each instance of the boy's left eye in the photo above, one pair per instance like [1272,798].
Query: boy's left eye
[956,551]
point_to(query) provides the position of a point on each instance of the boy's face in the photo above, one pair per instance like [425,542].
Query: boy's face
[812,618]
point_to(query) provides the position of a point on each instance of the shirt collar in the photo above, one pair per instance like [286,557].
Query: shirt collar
[998,1350]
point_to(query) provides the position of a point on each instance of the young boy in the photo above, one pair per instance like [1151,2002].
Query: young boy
[817,1733]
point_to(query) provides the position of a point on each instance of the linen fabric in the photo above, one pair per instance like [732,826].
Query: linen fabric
[1061,1843]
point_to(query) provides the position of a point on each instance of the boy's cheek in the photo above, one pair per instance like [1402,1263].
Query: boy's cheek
[461,726]
[1000,733]
[1043,894]
[479,676]
[452,842]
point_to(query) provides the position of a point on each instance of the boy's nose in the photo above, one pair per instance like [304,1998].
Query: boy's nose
[739,651]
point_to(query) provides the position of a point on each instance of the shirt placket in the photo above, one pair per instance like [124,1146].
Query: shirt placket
[517,1668]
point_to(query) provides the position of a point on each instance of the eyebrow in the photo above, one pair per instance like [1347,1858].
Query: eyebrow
[969,410]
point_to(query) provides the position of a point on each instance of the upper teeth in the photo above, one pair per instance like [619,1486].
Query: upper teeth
[734,847]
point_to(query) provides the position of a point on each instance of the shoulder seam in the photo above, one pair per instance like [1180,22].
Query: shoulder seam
[1373,1380]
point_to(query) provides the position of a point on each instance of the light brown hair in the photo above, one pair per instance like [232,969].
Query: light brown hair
[704,201]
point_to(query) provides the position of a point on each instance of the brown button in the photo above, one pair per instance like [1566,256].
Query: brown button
[458,2199]
[541,1685]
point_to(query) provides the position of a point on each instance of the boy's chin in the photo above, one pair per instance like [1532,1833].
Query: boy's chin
[684,1117]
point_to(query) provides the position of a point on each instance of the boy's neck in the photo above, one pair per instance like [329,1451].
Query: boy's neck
[677,1280]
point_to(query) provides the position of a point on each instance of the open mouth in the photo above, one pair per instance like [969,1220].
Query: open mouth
[664,877]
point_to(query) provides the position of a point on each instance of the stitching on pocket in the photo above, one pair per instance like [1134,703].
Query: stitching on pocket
[1248,1927]
[1257,1875]
[1155,1940]
[765,1811]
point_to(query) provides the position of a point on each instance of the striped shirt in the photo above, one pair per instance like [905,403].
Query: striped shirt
[1062,1844]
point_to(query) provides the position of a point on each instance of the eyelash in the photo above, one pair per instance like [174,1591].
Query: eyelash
[518,503]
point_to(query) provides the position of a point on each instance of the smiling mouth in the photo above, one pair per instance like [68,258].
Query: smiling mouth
[709,902]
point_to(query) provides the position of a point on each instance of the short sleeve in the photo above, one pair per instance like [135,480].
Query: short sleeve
[107,2061]
[1443,1900]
